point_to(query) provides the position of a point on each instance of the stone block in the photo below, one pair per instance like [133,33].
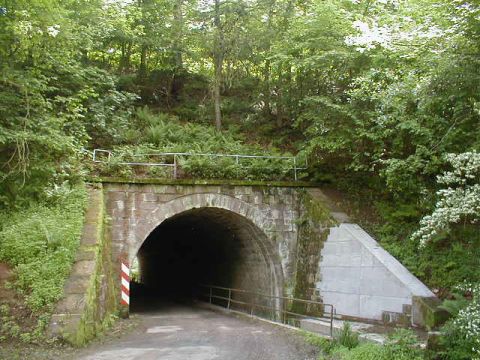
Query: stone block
[146,207]
[147,197]
[257,199]
[89,234]
[60,324]
[391,318]
[116,195]
[77,285]
[84,267]
[166,197]
[115,187]
[426,312]
[241,190]
[85,255]
[119,205]
[71,304]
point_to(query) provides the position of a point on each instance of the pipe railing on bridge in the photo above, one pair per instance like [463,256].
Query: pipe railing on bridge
[175,156]
[280,313]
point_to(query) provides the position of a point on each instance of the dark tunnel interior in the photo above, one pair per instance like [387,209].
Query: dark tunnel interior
[201,246]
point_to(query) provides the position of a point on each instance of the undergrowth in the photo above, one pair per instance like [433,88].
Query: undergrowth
[40,244]
[165,133]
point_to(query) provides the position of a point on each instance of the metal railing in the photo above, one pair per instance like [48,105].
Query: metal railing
[171,159]
[282,311]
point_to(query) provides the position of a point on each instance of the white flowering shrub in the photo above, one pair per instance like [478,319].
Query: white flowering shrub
[458,201]
[462,333]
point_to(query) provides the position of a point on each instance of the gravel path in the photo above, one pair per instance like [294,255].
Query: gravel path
[192,333]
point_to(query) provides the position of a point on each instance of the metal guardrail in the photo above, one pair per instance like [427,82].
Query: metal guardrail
[175,156]
[227,296]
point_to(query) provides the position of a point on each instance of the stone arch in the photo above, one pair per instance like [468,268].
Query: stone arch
[258,220]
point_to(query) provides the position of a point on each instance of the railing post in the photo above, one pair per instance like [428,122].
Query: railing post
[174,166]
[236,159]
[229,298]
[331,321]
[295,167]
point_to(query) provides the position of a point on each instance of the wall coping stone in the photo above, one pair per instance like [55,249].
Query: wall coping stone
[155,181]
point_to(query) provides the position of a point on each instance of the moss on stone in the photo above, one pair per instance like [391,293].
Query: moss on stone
[133,180]
[313,230]
[100,301]
[427,312]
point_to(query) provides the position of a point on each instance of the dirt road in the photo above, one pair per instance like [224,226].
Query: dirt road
[191,333]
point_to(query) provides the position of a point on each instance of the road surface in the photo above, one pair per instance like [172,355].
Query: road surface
[181,332]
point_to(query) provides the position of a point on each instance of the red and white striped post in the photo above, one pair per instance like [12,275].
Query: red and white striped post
[125,295]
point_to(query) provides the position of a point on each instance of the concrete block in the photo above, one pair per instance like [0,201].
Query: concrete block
[340,279]
[336,259]
[349,247]
[316,326]
[426,312]
[372,307]
[379,281]
[345,304]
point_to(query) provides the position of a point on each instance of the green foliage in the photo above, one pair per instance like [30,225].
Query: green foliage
[401,345]
[461,334]
[40,243]
[165,134]
[326,345]
[347,338]
[454,305]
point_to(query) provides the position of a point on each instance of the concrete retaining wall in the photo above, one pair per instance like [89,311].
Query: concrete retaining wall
[364,281]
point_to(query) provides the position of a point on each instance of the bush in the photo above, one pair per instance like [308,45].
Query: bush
[461,335]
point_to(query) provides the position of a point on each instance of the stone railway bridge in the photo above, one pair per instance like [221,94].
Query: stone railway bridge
[283,239]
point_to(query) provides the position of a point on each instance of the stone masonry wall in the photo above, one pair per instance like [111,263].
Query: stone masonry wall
[135,210]
[89,299]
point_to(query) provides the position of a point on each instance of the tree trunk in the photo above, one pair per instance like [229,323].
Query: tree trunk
[176,83]
[142,70]
[218,64]
[178,25]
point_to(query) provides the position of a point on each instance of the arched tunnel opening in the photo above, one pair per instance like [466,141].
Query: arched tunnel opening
[202,246]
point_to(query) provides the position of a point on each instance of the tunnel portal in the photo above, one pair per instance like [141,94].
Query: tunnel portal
[206,245]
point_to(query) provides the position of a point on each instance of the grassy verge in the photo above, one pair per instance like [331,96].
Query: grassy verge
[401,345]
